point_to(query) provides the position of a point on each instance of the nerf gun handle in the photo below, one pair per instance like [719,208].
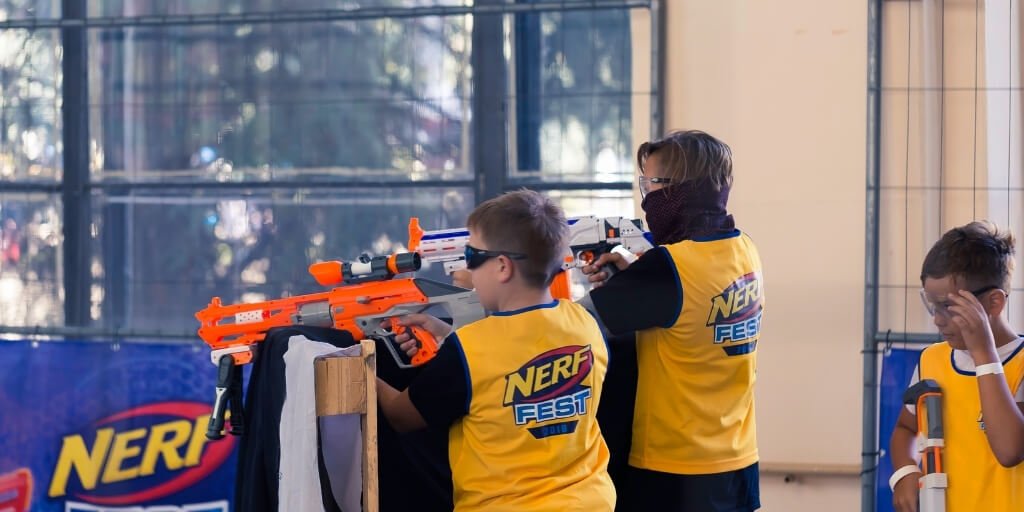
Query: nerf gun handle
[228,394]
[427,346]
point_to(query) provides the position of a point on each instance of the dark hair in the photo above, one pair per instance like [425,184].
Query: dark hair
[526,222]
[978,253]
[691,155]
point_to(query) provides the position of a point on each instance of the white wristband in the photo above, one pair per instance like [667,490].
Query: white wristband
[900,473]
[626,255]
[988,369]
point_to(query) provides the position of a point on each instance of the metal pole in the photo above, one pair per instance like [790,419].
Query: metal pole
[659,17]
[75,193]
[527,79]
[490,153]
[869,442]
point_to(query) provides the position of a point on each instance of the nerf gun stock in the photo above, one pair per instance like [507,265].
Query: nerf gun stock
[369,295]
[589,238]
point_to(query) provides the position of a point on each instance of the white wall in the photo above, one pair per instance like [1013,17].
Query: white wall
[783,82]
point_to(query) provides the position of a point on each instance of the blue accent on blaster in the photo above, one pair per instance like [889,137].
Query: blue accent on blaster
[446,234]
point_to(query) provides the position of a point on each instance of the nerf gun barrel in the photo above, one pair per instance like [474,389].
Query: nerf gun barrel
[365,296]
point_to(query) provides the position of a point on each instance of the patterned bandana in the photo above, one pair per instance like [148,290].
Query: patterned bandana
[688,210]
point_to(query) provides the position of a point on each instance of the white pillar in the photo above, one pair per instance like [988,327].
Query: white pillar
[1002,75]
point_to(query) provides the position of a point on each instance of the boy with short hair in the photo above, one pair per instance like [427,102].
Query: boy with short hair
[966,280]
[520,388]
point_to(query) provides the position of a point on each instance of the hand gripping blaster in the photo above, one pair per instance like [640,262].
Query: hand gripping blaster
[927,396]
[589,238]
[366,294]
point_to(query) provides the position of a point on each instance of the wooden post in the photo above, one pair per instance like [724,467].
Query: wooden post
[348,385]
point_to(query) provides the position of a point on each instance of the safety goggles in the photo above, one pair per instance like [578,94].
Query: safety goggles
[476,257]
[942,308]
[645,183]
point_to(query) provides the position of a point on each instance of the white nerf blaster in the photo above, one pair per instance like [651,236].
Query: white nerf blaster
[589,238]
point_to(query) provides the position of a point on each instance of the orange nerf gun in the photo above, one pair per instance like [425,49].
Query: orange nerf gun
[366,294]
[16,491]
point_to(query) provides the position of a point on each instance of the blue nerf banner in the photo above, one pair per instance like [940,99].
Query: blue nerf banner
[103,427]
[897,368]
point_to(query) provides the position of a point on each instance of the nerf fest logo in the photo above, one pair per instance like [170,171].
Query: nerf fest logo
[736,314]
[548,388]
[166,454]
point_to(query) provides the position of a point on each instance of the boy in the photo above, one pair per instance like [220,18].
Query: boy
[519,389]
[695,303]
[965,279]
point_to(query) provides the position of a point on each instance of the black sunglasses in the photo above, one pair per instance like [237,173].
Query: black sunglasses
[476,257]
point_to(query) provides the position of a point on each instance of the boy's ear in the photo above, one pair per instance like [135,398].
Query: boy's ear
[505,269]
[995,303]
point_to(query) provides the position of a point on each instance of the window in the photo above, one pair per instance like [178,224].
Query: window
[229,144]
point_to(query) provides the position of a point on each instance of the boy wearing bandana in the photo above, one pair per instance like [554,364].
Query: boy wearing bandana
[695,303]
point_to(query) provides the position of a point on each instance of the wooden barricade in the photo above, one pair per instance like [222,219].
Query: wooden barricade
[348,385]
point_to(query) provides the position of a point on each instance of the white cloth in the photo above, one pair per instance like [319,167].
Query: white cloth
[962,360]
[299,477]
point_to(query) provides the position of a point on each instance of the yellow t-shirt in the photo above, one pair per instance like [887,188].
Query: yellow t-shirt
[530,440]
[976,479]
[695,391]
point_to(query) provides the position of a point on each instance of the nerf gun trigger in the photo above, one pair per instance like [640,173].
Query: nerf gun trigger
[587,257]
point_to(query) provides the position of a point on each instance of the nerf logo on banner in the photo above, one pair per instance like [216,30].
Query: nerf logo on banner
[170,448]
[550,386]
[736,312]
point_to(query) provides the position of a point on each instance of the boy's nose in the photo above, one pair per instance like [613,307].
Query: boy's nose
[939,320]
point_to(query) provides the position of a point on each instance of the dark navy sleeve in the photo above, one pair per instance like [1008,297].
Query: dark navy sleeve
[441,391]
[645,295]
